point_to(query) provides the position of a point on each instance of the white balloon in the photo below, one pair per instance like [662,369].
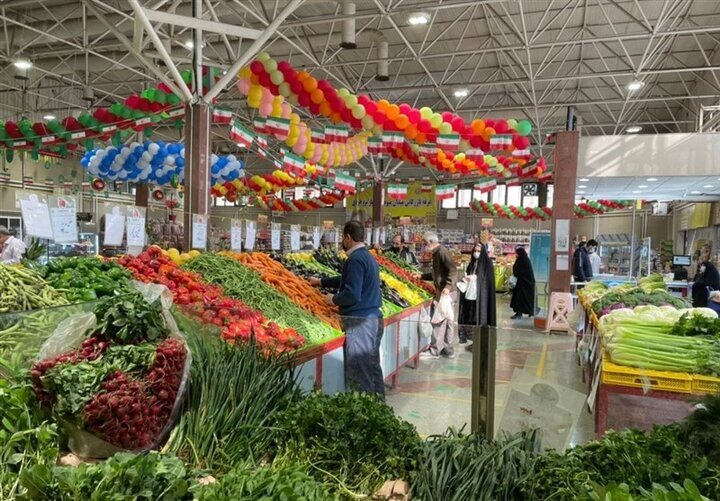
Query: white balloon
[123,174]
[231,158]
[146,156]
[144,175]
[182,152]
[153,148]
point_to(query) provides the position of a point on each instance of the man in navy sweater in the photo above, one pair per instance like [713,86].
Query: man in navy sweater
[359,299]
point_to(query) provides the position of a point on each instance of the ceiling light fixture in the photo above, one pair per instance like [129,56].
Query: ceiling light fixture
[643,186]
[23,63]
[189,44]
[461,93]
[651,179]
[418,18]
[580,192]
[708,186]
[634,129]
[49,117]
[582,186]
[584,180]
[695,192]
[635,85]
[635,192]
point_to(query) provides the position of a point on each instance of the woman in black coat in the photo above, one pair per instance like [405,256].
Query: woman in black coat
[523,296]
[480,311]
[707,276]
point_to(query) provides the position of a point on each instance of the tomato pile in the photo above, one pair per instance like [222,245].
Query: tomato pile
[404,274]
[207,303]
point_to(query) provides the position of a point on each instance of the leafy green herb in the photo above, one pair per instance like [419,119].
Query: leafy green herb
[696,325]
[701,430]
[289,483]
[74,385]
[353,439]
[456,467]
[130,319]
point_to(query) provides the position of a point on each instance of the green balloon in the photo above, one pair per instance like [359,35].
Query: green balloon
[284,88]
[276,77]
[270,65]
[524,127]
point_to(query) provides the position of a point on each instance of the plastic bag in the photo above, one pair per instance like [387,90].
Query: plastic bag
[471,294]
[424,324]
[70,333]
[444,310]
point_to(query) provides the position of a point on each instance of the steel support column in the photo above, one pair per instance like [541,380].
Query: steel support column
[482,412]
[564,176]
[197,166]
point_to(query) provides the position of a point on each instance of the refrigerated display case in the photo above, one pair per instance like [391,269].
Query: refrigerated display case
[619,259]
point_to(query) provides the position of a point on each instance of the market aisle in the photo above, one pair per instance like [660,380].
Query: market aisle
[437,394]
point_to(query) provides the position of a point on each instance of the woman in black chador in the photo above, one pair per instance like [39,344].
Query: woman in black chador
[523,295]
[479,311]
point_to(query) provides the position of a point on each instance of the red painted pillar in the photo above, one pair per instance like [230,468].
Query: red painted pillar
[197,167]
[564,174]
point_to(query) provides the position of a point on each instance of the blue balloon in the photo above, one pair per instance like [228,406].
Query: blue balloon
[180,162]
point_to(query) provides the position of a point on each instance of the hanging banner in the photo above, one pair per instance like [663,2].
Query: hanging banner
[135,230]
[295,237]
[114,225]
[275,236]
[236,235]
[36,216]
[250,231]
[418,203]
[199,231]
[63,217]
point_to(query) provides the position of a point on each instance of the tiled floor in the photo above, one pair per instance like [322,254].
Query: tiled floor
[437,394]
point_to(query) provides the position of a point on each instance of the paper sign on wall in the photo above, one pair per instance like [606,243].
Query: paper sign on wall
[275,236]
[199,231]
[236,235]
[316,237]
[114,225]
[135,229]
[376,236]
[36,216]
[250,230]
[295,237]
[562,235]
[63,218]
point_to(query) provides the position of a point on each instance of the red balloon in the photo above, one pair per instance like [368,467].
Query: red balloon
[356,124]
[289,74]
[257,68]
[447,116]
[379,117]
[490,123]
[265,80]
[163,87]
[296,87]
[315,108]
[457,124]
[414,116]
[521,142]
[133,102]
[304,99]
[405,108]
[363,99]
[274,89]
[475,141]
[156,107]
[501,126]
[346,115]
[144,104]
[370,108]
[424,126]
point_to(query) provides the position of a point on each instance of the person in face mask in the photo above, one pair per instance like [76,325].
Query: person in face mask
[359,300]
[402,251]
[592,247]
[707,276]
[480,310]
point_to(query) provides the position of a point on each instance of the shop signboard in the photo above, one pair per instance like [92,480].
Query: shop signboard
[418,203]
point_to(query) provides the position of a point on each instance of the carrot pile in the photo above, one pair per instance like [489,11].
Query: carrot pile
[296,289]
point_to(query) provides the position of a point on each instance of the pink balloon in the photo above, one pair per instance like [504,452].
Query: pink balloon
[317,153]
[299,148]
[521,142]
[265,109]
[447,116]
[414,116]
[243,86]
[285,110]
[457,124]
[405,108]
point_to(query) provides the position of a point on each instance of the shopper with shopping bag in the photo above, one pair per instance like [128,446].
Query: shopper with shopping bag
[444,276]
[477,301]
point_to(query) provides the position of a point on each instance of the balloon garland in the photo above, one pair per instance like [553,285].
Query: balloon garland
[264,79]
[583,209]
[154,162]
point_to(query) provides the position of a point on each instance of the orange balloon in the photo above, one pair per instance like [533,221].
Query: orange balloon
[317,96]
[488,133]
[477,126]
[392,111]
[325,108]
[411,131]
[402,122]
[421,138]
[302,75]
[441,155]
[336,118]
[382,105]
[254,79]
[310,84]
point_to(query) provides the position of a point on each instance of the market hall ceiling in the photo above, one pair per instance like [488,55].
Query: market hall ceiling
[523,59]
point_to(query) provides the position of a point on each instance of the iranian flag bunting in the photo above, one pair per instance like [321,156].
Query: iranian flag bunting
[261,141]
[513,181]
[426,188]
[68,185]
[27,180]
[241,135]
[345,182]
[260,125]
[294,164]
[342,134]
[49,183]
[428,149]
[4,177]
[221,116]
[529,170]
[475,155]
[444,191]
[262,152]
[279,126]
[448,142]
[485,186]
[521,153]
[397,191]
[501,141]
[546,176]
[392,139]
[317,136]
[376,146]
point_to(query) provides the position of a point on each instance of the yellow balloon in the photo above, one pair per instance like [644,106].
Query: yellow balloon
[294,118]
[291,141]
[245,72]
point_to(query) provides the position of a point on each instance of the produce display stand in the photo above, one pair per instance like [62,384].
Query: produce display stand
[640,398]
[323,366]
